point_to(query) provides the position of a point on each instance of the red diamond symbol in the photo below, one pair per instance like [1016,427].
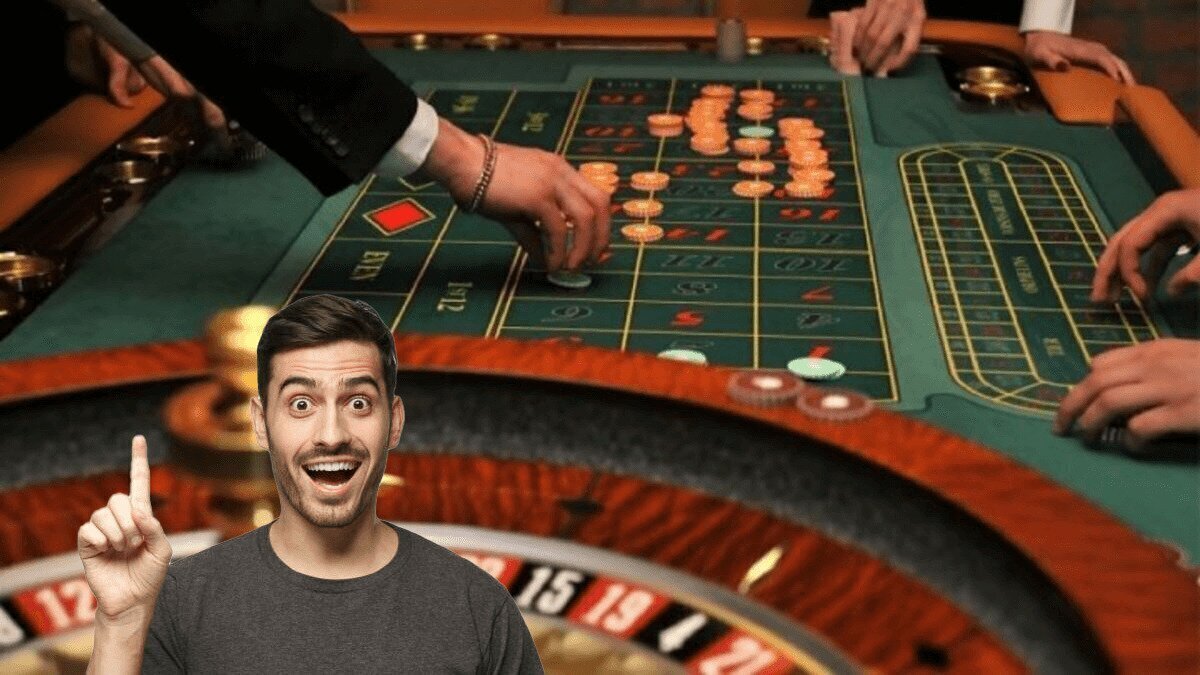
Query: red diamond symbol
[399,216]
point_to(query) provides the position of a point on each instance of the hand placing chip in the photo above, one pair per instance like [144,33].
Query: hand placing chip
[533,193]
[1151,385]
[1173,219]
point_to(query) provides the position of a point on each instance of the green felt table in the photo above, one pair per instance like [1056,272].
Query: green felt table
[947,267]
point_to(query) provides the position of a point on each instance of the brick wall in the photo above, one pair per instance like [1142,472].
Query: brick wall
[1159,38]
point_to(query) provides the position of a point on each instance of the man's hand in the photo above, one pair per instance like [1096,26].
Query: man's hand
[1058,51]
[124,550]
[888,33]
[1153,384]
[1173,219]
[94,62]
[529,186]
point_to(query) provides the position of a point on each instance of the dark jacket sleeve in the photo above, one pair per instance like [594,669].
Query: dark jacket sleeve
[822,8]
[292,75]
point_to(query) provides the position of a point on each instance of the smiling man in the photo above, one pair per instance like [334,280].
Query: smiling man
[328,587]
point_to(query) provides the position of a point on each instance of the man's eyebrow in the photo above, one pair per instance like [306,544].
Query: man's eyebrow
[296,379]
[361,379]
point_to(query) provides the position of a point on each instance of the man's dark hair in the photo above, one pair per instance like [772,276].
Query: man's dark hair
[320,320]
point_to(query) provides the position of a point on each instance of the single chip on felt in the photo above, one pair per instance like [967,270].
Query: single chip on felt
[755,112]
[752,188]
[756,167]
[642,208]
[722,92]
[572,280]
[755,131]
[751,147]
[664,120]
[804,189]
[812,175]
[809,368]
[649,180]
[642,233]
[685,355]
[764,387]
[666,132]
[834,405]
[757,95]
[597,168]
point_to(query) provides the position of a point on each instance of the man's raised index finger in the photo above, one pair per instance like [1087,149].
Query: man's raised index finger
[139,476]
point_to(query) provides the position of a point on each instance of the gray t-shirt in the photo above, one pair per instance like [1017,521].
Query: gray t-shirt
[237,608]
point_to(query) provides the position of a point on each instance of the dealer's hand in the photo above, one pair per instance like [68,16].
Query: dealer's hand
[529,186]
[888,33]
[1058,51]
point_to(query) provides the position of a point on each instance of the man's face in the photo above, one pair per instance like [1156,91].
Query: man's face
[328,426]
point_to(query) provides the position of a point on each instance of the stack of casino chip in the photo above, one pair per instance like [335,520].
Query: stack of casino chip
[665,125]
[645,232]
[706,120]
[756,105]
[808,161]
[601,174]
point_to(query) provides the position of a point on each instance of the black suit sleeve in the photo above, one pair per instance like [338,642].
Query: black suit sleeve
[822,8]
[292,75]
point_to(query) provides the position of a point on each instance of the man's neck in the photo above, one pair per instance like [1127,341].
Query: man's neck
[356,550]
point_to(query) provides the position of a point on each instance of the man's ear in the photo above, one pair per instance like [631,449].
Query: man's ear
[258,417]
[397,422]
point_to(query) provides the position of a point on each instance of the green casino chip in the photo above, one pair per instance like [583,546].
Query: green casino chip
[809,368]
[573,280]
[685,355]
[756,132]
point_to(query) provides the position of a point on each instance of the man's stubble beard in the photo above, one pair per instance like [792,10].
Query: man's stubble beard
[322,515]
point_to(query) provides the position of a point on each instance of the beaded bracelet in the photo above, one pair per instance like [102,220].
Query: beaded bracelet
[485,177]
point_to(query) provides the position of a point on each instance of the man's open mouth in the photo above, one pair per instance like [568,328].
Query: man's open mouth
[332,474]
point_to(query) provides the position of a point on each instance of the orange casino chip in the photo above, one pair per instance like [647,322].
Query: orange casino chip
[642,233]
[593,168]
[708,106]
[755,112]
[698,124]
[602,178]
[823,176]
[752,188]
[795,146]
[664,120]
[666,132]
[718,91]
[649,180]
[756,95]
[752,147]
[804,189]
[642,208]
[756,167]
[804,133]
[787,124]
[709,143]
[809,159]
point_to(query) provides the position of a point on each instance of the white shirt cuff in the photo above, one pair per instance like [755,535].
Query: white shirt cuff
[1048,15]
[409,153]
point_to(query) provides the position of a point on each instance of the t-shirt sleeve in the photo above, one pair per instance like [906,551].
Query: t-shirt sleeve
[510,649]
[163,653]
